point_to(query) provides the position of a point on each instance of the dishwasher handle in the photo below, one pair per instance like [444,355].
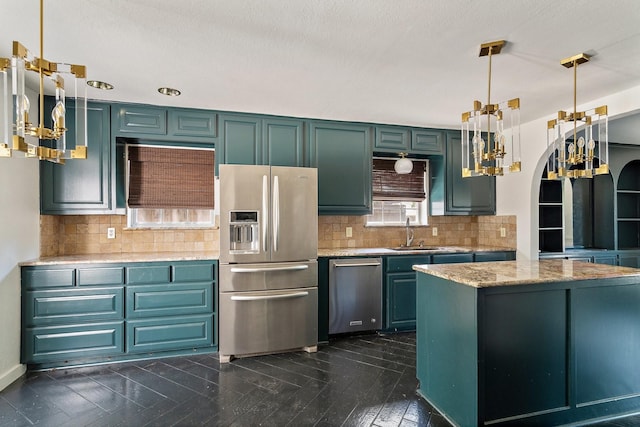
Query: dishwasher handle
[358,264]
[269,297]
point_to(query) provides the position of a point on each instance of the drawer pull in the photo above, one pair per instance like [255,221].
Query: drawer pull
[264,269]
[268,297]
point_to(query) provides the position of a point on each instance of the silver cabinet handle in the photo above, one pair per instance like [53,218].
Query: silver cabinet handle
[276,213]
[265,210]
[362,264]
[265,269]
[268,297]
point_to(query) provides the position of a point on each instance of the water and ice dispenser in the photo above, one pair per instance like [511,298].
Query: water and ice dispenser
[244,233]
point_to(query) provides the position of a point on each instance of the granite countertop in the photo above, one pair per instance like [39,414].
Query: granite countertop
[505,273]
[125,257]
[390,251]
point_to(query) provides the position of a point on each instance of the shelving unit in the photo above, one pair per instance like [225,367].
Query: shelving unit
[628,199]
[550,227]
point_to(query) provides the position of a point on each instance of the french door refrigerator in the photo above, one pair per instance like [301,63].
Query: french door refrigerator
[268,260]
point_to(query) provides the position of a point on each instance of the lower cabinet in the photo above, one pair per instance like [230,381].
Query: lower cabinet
[83,314]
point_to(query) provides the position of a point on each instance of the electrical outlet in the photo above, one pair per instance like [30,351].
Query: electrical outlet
[111,233]
[434,231]
[503,232]
[349,231]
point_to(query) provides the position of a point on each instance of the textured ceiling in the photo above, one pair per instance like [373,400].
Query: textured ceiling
[412,62]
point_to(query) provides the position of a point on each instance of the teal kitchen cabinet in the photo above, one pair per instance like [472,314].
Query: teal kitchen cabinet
[149,122]
[427,141]
[465,196]
[397,139]
[81,186]
[86,314]
[252,140]
[400,291]
[342,153]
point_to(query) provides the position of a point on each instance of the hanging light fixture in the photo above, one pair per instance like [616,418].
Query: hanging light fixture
[403,165]
[17,133]
[488,148]
[576,156]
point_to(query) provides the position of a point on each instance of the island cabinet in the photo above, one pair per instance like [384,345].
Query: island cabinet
[81,186]
[342,154]
[518,343]
[75,314]
[260,140]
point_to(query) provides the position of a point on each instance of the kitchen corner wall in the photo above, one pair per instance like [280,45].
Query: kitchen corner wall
[87,234]
[452,231]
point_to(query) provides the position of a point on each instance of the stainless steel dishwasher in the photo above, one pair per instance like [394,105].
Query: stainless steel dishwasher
[355,295]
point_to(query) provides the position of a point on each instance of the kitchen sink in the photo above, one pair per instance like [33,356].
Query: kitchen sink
[420,248]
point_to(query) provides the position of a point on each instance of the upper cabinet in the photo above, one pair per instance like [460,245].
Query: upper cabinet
[160,123]
[342,154]
[252,140]
[397,139]
[465,196]
[81,186]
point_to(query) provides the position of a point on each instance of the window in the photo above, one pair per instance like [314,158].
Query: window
[398,197]
[170,187]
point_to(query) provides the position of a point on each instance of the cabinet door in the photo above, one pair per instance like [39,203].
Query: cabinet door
[283,142]
[142,120]
[187,123]
[241,140]
[466,196]
[81,186]
[342,154]
[392,139]
[426,141]
[401,301]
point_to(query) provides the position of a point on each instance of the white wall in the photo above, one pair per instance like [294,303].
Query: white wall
[517,194]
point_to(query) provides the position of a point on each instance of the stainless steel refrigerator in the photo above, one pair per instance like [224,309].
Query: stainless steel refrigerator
[268,260]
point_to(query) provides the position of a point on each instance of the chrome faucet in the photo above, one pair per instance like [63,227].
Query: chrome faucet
[409,234]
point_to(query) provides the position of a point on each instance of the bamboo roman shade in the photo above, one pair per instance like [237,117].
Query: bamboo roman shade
[162,177]
[389,185]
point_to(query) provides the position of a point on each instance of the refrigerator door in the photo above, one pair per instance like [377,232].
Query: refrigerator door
[244,189]
[294,219]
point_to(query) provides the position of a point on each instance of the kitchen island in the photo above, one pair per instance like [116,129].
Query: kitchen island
[528,342]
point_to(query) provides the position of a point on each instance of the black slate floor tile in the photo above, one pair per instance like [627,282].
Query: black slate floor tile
[365,380]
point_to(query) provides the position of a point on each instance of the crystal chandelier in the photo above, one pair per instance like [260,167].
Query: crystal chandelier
[17,133]
[488,148]
[578,154]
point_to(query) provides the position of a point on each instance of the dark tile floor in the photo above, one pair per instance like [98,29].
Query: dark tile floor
[366,380]
[355,381]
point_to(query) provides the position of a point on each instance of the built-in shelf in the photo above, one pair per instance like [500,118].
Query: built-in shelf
[628,212]
[550,227]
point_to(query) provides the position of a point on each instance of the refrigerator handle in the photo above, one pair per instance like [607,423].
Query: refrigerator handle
[250,297]
[276,213]
[265,212]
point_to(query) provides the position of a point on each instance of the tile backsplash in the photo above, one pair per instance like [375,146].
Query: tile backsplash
[87,234]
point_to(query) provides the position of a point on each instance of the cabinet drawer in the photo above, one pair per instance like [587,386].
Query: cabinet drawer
[148,274]
[141,120]
[51,343]
[494,256]
[73,305]
[452,258]
[101,276]
[169,300]
[193,273]
[405,263]
[172,333]
[36,278]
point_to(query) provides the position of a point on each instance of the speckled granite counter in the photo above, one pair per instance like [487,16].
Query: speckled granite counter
[125,257]
[389,251]
[506,273]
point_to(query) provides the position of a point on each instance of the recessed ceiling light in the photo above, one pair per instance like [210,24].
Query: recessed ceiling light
[169,91]
[99,85]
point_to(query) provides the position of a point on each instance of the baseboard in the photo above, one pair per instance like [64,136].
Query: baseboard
[12,375]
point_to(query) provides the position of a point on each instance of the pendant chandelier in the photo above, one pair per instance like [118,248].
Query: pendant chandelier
[17,133]
[488,147]
[578,153]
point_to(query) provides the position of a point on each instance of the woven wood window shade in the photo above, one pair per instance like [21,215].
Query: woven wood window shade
[170,178]
[389,185]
